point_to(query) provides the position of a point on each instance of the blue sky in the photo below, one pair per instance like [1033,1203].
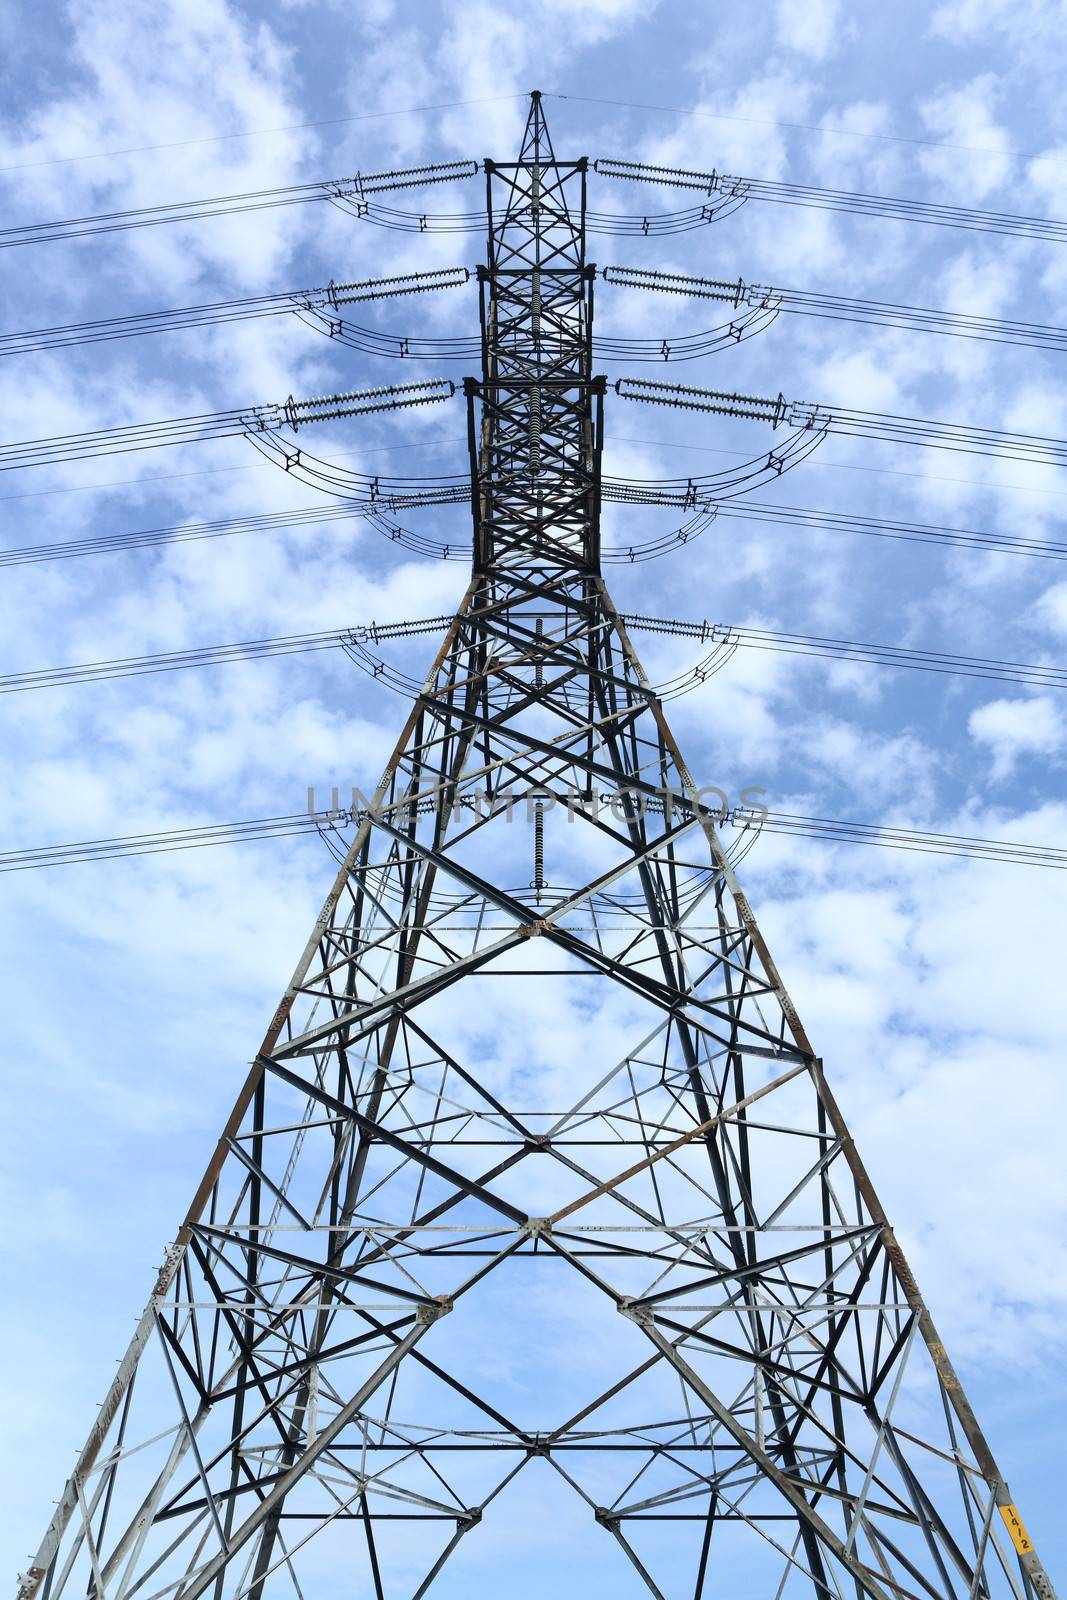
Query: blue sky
[137,989]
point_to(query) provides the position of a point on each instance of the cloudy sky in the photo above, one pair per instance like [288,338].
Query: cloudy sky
[138,988]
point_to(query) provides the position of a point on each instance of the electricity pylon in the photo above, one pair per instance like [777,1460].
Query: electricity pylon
[306,1404]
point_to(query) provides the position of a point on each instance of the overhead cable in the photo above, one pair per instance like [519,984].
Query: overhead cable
[252,420]
[1036,676]
[890,528]
[219,654]
[802,416]
[743,510]
[258,133]
[757,300]
[718,634]
[181,533]
[317,306]
[357,197]
[918,840]
[723,194]
[320,310]
[139,844]
[718,186]
[753,820]
[353,191]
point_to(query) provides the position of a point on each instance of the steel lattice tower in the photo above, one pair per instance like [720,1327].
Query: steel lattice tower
[302,1395]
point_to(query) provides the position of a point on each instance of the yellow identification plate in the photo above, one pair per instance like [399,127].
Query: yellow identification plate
[1014,1524]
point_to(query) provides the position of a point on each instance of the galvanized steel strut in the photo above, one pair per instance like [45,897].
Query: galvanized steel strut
[536,1053]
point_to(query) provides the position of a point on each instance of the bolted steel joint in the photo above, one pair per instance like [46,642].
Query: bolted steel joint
[636,1310]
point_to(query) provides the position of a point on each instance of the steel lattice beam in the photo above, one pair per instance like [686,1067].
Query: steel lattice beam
[781,1384]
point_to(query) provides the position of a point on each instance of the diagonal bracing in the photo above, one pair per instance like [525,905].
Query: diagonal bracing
[306,1395]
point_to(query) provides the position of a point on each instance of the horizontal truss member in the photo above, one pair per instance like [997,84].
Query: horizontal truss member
[295,1315]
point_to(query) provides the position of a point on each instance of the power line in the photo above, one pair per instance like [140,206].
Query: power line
[747,819]
[849,466]
[1035,676]
[726,192]
[748,510]
[809,127]
[807,424]
[252,420]
[258,133]
[911,839]
[139,844]
[452,105]
[319,307]
[218,655]
[123,483]
[884,427]
[179,211]
[756,305]
[351,193]
[759,304]
[103,544]
[801,418]
[890,528]
[715,633]
[202,472]
[742,510]
[351,196]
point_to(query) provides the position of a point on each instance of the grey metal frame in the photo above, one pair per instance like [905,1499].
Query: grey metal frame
[786,1403]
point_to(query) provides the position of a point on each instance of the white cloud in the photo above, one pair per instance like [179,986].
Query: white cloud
[976,19]
[811,27]
[747,140]
[178,960]
[1015,728]
[1051,609]
[144,77]
[965,117]
[891,961]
